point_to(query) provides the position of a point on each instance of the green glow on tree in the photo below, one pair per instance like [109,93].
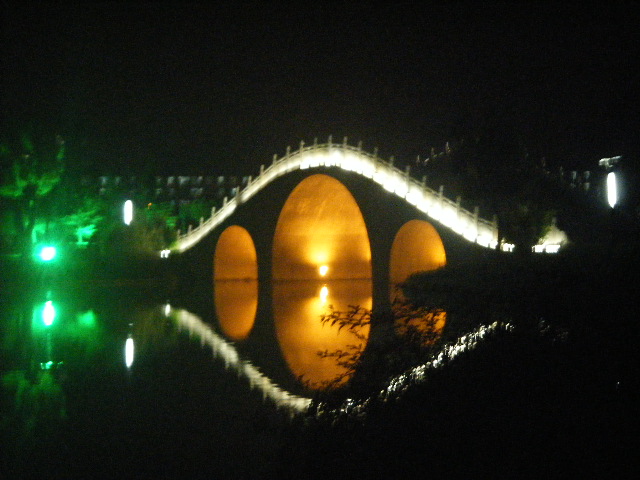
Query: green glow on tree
[47,253]
[87,319]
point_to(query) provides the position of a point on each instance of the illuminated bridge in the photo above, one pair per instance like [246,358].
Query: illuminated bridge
[327,224]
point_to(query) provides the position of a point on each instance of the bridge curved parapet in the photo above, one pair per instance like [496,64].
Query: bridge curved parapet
[433,204]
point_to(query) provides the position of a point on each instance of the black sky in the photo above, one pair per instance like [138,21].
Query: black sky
[197,89]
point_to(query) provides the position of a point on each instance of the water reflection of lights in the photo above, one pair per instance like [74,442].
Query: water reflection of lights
[295,404]
[612,191]
[48,313]
[128,352]
[301,334]
[224,350]
[401,383]
[50,365]
[324,294]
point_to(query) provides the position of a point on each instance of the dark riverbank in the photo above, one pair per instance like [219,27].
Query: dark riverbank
[86,269]
[557,398]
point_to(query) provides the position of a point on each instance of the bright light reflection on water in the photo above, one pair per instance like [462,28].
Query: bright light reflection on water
[129,352]
[72,377]
[298,309]
[236,303]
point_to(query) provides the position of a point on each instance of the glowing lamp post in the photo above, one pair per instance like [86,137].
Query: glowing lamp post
[127,212]
[612,184]
[612,189]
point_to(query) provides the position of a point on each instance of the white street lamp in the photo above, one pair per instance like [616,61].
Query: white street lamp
[128,212]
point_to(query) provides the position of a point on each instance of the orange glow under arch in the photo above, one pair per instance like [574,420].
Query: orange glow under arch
[235,282]
[321,224]
[321,256]
[416,247]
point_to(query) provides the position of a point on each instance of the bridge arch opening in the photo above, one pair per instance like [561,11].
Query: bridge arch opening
[417,247]
[321,257]
[235,275]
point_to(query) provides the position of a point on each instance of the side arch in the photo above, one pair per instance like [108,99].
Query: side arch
[235,275]
[416,247]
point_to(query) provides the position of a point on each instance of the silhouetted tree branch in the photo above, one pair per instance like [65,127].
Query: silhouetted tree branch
[405,337]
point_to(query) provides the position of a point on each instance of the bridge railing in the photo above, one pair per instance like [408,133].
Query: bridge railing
[352,158]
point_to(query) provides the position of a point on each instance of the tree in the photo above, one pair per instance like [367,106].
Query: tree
[523,223]
[84,221]
[29,174]
[190,213]
[403,338]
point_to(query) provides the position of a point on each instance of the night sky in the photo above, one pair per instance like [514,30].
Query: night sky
[168,88]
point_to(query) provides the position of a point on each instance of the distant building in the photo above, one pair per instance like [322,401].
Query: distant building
[177,188]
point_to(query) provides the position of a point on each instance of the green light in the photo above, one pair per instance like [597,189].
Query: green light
[47,253]
[50,365]
[46,365]
[87,319]
[48,313]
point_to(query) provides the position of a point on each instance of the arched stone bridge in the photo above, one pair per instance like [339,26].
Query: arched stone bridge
[335,205]
[342,225]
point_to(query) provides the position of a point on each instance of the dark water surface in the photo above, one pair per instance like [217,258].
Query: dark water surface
[534,404]
[71,408]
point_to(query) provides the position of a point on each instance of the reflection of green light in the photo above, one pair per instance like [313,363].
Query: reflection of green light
[48,313]
[47,253]
[49,365]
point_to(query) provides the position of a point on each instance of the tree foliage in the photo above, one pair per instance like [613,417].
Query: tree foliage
[85,219]
[28,173]
[33,172]
[491,167]
[402,338]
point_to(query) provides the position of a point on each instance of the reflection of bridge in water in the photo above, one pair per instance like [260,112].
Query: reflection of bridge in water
[326,225]
[294,404]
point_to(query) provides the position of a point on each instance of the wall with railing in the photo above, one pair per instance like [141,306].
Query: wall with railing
[432,203]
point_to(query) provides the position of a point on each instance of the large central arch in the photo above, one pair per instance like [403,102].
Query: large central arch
[321,256]
[321,224]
